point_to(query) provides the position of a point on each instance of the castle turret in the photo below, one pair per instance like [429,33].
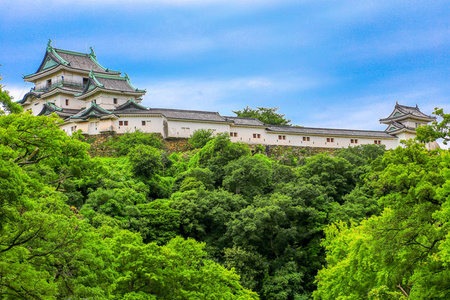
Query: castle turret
[69,81]
[404,120]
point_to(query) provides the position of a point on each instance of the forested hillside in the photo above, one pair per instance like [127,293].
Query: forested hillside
[218,221]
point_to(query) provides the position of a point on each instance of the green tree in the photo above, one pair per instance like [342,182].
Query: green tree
[248,175]
[264,114]
[204,215]
[46,250]
[178,270]
[201,137]
[401,252]
[216,154]
[437,129]
[6,103]
[123,144]
[335,174]
[205,176]
[157,221]
[285,234]
[145,161]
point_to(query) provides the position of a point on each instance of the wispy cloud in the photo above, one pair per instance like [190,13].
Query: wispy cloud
[224,94]
[364,112]
[17,91]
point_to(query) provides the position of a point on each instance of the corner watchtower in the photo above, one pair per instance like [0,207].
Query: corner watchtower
[404,120]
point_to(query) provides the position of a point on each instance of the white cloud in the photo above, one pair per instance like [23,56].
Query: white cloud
[222,94]
[364,112]
[17,91]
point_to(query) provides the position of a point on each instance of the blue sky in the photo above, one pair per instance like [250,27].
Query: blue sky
[339,64]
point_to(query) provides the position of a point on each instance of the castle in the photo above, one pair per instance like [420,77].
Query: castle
[97,100]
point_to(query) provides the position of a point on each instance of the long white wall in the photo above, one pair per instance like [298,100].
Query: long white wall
[248,135]
[184,129]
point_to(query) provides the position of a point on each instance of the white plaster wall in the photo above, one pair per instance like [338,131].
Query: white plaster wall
[175,128]
[60,101]
[245,135]
[106,101]
[413,123]
[135,123]
[405,136]
[67,127]
[94,126]
[36,106]
[321,141]
[56,77]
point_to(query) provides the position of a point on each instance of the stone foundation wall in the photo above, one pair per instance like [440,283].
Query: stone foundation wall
[99,148]
[278,152]
[176,145]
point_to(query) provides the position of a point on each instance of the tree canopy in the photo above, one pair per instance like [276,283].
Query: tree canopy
[267,115]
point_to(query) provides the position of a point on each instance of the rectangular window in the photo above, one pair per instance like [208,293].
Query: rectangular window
[281,137]
[115,100]
[67,102]
[306,138]
[330,140]
[233,134]
[144,123]
[49,83]
[377,142]
[259,136]
[354,141]
[125,123]
[254,135]
[85,81]
[120,123]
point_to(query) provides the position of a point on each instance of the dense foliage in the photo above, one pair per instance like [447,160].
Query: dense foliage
[267,115]
[217,222]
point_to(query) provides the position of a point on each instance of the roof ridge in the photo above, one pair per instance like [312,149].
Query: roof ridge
[129,83]
[188,110]
[91,75]
[248,118]
[71,52]
[130,102]
[108,76]
[413,107]
[92,107]
[303,127]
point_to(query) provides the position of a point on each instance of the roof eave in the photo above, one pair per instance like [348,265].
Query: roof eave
[268,130]
[407,116]
[195,120]
[81,96]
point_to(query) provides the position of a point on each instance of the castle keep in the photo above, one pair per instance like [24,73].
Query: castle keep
[96,100]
